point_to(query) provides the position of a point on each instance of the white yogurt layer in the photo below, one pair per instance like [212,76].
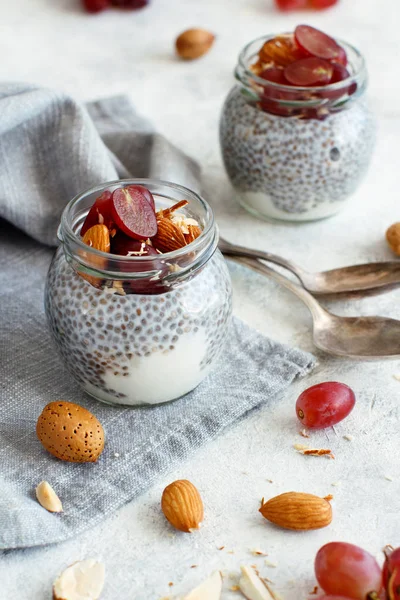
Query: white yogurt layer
[160,377]
[262,205]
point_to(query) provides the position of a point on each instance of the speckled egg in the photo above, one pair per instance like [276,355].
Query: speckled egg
[70,432]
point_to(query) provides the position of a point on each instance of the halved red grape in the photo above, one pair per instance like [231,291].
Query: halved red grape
[274,74]
[95,6]
[334,597]
[340,73]
[321,4]
[101,212]
[309,71]
[124,245]
[316,43]
[347,570]
[391,574]
[325,404]
[132,4]
[133,213]
[291,4]
[146,193]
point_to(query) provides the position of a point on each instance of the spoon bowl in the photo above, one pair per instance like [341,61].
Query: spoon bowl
[346,279]
[363,338]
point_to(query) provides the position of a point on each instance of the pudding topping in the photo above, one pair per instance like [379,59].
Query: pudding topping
[125,222]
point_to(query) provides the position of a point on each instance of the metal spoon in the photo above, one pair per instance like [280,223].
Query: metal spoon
[345,279]
[354,337]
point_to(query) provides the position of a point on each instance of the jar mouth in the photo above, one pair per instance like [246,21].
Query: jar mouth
[113,266]
[247,57]
[67,217]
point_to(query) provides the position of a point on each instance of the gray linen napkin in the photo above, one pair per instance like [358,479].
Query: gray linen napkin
[50,149]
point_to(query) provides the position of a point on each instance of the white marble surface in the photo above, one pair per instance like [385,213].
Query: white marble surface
[52,42]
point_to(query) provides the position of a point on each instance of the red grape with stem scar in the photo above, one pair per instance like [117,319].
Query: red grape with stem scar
[325,404]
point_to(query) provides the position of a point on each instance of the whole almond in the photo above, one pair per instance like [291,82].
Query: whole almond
[70,432]
[393,238]
[48,498]
[169,236]
[193,43]
[182,505]
[97,237]
[193,233]
[298,511]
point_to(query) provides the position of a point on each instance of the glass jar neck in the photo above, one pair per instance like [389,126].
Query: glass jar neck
[307,102]
[141,274]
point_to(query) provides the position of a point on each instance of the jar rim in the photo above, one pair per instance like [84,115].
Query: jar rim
[66,229]
[243,63]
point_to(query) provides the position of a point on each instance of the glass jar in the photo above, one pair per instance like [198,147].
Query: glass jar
[294,153]
[139,330]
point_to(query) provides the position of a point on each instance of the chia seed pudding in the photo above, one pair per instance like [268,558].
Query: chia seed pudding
[294,153]
[135,348]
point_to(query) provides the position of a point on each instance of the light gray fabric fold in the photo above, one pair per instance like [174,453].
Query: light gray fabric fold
[50,149]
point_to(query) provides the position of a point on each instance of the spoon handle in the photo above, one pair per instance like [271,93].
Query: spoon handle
[235,250]
[309,300]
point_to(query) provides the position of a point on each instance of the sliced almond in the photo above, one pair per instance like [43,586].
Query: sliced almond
[183,222]
[83,580]
[253,587]
[313,451]
[48,498]
[210,589]
[167,213]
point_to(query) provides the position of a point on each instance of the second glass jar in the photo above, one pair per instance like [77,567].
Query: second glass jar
[293,153]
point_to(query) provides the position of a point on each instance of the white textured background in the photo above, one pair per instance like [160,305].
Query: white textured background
[51,42]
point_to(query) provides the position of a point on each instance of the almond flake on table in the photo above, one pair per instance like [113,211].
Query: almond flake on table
[348,437]
[336,483]
[257,552]
[254,587]
[313,451]
[269,563]
[304,433]
[397,377]
[389,478]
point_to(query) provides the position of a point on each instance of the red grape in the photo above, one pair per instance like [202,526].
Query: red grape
[291,4]
[99,213]
[309,71]
[132,4]
[133,213]
[274,74]
[127,246]
[345,569]
[340,73]
[321,4]
[95,6]
[335,597]
[325,404]
[146,193]
[316,43]
[391,574]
